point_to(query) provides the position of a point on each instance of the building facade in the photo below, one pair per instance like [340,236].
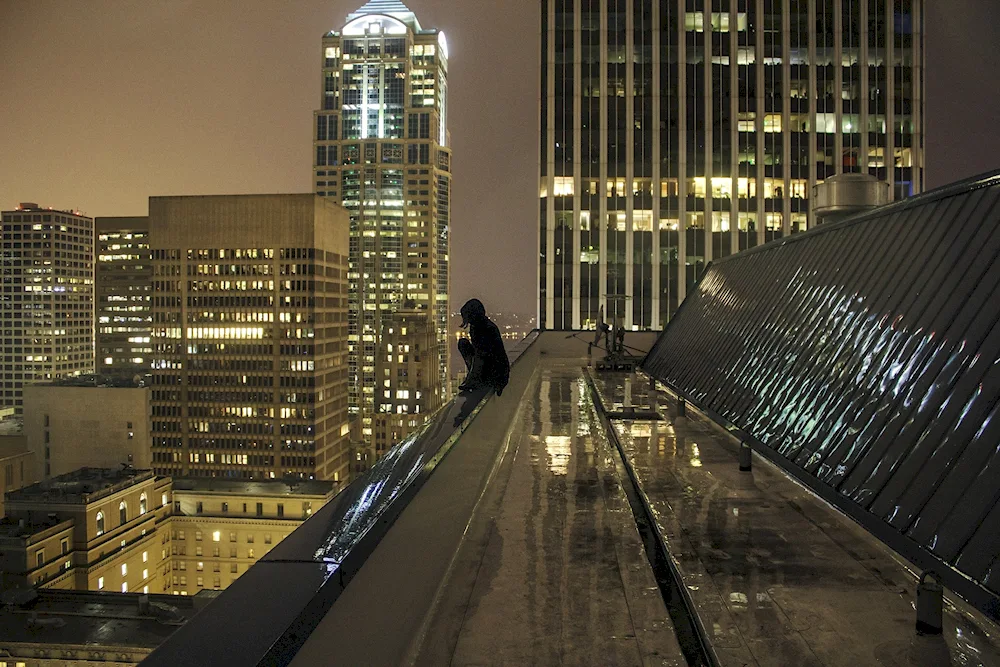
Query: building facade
[123,283]
[407,371]
[220,528]
[47,304]
[675,132]
[92,529]
[89,421]
[382,150]
[17,465]
[249,337]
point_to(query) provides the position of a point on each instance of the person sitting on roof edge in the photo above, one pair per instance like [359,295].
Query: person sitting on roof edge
[485,356]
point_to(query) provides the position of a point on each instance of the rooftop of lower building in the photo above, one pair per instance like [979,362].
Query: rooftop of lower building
[94,619]
[102,381]
[84,485]
[275,487]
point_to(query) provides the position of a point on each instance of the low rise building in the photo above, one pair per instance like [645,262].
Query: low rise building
[49,628]
[129,530]
[219,528]
[99,421]
[92,529]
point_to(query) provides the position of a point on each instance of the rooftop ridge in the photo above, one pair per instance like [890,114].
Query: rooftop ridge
[387,7]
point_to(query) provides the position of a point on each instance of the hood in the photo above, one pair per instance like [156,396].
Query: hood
[472,311]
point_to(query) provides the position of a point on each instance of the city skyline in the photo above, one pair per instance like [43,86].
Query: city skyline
[222,117]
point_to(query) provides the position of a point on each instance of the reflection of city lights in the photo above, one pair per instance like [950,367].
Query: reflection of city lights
[558,447]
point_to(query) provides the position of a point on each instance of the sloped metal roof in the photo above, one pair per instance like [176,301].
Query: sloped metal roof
[864,358]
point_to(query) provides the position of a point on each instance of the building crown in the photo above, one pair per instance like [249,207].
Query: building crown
[393,8]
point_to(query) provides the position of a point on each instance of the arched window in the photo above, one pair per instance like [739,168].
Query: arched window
[122,512]
[142,504]
[100,523]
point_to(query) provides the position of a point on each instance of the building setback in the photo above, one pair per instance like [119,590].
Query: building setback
[47,298]
[123,280]
[249,337]
[676,132]
[382,150]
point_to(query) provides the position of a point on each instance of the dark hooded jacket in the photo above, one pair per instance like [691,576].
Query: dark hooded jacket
[491,366]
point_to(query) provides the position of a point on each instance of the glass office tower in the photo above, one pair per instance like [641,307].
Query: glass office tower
[382,151]
[123,279]
[674,132]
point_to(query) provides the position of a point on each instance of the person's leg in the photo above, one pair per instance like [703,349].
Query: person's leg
[467,351]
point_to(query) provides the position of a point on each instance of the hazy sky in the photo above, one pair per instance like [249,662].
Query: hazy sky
[106,102]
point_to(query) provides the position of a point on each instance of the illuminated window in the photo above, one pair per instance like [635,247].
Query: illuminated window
[124,587]
[100,523]
[142,504]
[145,556]
[100,583]
[123,512]
[124,569]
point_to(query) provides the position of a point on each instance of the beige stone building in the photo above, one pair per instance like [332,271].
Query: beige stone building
[93,421]
[92,529]
[249,337]
[129,530]
[219,528]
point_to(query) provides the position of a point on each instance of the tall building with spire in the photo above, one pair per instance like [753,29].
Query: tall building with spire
[676,132]
[383,152]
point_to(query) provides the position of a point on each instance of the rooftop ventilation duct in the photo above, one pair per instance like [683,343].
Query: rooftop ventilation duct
[841,196]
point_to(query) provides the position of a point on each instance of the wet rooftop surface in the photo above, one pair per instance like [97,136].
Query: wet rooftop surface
[561,577]
[777,577]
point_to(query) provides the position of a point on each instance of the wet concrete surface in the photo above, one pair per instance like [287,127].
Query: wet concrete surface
[777,576]
[555,573]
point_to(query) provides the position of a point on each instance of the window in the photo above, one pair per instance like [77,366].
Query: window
[201,566]
[225,507]
[100,583]
[197,550]
[232,552]
[233,568]
[163,500]
[260,509]
[217,582]
[142,504]
[180,534]
[145,574]
[39,557]
[122,513]
[216,536]
[100,523]
[215,552]
[124,587]
[281,510]
[249,539]
[197,535]
[249,553]
[124,569]
[201,582]
[200,507]
[267,538]
[145,556]
[68,564]
[64,546]
[232,536]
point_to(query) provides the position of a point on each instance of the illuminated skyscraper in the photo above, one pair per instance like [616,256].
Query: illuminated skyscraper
[47,302]
[123,282]
[675,132]
[249,337]
[382,151]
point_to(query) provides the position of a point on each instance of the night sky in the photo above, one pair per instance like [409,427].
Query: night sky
[106,102]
